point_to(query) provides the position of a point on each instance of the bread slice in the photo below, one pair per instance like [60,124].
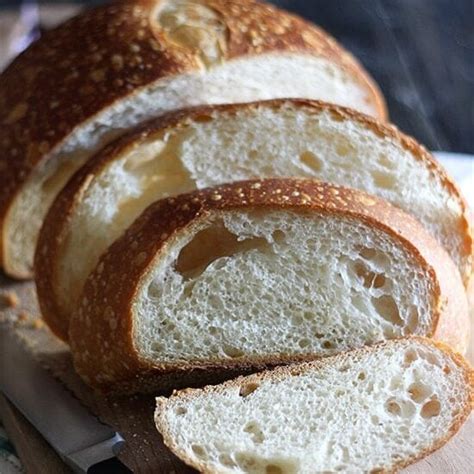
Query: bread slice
[375,409]
[212,145]
[116,65]
[260,272]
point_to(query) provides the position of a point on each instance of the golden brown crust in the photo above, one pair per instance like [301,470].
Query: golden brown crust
[56,224]
[101,330]
[284,371]
[112,51]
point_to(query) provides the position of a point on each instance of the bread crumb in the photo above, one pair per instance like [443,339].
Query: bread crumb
[10,299]
[38,323]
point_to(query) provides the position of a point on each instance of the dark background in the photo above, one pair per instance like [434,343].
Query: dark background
[421,52]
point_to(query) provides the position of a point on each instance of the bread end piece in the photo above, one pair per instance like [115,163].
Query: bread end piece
[324,413]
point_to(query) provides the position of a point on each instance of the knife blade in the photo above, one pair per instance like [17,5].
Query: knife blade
[78,437]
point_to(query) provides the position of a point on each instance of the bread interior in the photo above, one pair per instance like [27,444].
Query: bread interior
[263,141]
[275,284]
[360,412]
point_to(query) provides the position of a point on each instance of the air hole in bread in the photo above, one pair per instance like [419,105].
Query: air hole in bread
[255,432]
[393,407]
[180,411]
[159,163]
[387,308]
[273,469]
[410,356]
[253,154]
[297,319]
[402,408]
[232,351]
[156,346]
[199,451]
[419,391]
[328,345]
[431,358]
[304,343]
[210,244]
[369,278]
[384,180]
[386,162]
[367,253]
[344,148]
[246,461]
[361,376]
[309,159]
[431,409]
[203,118]
[155,171]
[247,389]
[278,236]
[226,460]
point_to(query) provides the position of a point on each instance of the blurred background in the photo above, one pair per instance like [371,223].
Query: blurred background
[421,52]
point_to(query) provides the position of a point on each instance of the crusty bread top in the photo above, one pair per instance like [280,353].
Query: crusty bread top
[181,397]
[106,354]
[104,54]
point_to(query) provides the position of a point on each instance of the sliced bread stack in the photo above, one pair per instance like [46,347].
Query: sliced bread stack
[258,273]
[114,66]
[223,239]
[373,410]
[212,145]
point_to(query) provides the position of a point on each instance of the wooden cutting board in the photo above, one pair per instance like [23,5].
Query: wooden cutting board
[144,451]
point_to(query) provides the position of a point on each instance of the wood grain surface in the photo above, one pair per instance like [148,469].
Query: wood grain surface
[133,416]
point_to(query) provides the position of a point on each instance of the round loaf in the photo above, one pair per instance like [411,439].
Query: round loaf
[117,65]
[104,334]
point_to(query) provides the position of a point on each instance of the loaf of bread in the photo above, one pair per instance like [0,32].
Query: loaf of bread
[375,409]
[257,273]
[116,65]
[217,144]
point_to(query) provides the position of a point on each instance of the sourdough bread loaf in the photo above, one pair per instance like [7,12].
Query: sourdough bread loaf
[258,273]
[212,145]
[116,65]
[375,409]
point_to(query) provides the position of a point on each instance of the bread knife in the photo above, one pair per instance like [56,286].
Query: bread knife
[82,441]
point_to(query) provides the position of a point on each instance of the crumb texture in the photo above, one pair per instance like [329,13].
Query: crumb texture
[220,146]
[318,284]
[364,411]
